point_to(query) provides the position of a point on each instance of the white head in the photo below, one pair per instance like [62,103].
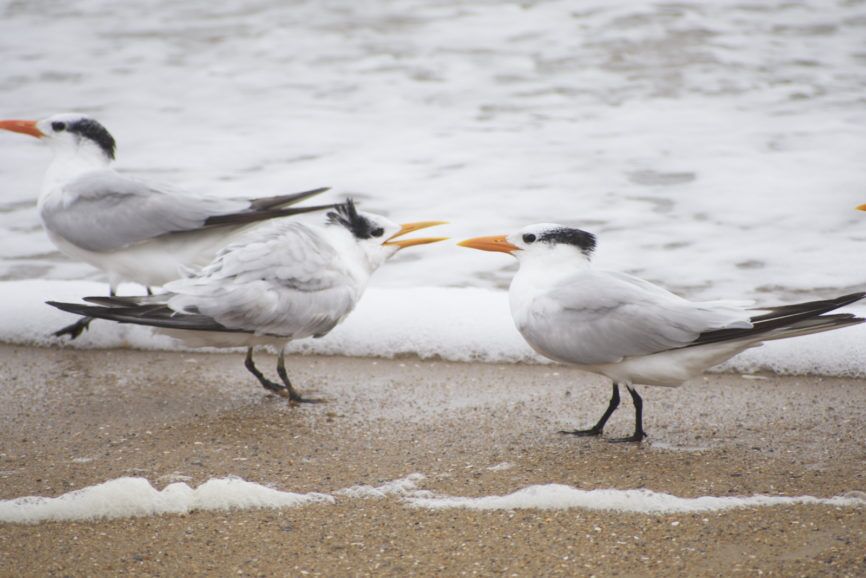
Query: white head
[376,236]
[543,243]
[69,133]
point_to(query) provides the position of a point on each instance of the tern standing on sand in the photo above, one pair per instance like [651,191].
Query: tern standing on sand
[132,230]
[626,328]
[282,281]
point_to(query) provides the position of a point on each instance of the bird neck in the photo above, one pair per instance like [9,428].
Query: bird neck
[356,259]
[548,262]
[543,269]
[70,162]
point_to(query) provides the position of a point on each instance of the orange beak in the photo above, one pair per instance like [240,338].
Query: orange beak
[22,126]
[498,243]
[861,207]
[408,228]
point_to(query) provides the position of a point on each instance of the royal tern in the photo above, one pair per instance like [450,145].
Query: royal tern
[626,328]
[282,281]
[132,230]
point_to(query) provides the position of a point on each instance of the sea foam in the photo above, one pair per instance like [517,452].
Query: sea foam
[468,324]
[136,497]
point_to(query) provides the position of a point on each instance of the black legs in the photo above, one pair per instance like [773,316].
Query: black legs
[284,390]
[293,395]
[83,323]
[597,429]
[266,383]
[75,329]
[638,434]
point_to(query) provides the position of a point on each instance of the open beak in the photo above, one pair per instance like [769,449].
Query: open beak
[498,243]
[22,126]
[408,228]
[861,207]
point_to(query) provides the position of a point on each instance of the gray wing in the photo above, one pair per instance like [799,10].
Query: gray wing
[282,279]
[596,317]
[107,211]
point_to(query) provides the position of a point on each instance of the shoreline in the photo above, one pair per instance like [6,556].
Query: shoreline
[74,418]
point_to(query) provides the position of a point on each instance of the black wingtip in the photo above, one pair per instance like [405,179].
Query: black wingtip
[69,307]
[304,195]
[115,300]
[809,307]
[786,316]
[282,201]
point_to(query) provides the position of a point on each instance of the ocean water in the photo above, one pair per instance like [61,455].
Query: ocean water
[716,148]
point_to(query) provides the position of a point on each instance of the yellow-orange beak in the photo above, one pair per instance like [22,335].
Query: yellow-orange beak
[408,228]
[861,207]
[22,126]
[497,243]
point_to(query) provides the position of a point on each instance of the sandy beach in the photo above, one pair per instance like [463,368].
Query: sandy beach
[71,419]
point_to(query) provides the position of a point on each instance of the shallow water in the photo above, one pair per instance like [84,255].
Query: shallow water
[715,148]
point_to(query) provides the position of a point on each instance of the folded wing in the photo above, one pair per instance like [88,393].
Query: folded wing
[104,211]
[283,281]
[596,317]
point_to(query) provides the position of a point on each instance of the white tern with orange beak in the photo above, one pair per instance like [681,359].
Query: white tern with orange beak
[132,230]
[282,281]
[626,328]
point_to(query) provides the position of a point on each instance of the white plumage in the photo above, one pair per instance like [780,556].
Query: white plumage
[132,230]
[287,279]
[281,281]
[626,328]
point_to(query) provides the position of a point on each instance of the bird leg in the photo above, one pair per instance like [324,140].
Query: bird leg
[638,434]
[598,427]
[292,394]
[266,383]
[75,329]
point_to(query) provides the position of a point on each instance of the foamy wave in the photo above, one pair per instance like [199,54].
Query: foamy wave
[559,497]
[431,322]
[135,497]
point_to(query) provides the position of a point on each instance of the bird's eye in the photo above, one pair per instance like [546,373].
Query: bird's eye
[378,232]
[58,126]
[528,238]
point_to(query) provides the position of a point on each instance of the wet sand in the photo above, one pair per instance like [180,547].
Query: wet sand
[70,419]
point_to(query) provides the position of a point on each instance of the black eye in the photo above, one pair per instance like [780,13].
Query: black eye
[378,232]
[58,126]
[528,238]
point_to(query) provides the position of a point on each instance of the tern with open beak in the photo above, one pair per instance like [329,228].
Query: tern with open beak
[132,230]
[628,329]
[282,281]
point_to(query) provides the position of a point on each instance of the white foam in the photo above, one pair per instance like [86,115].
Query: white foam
[402,486]
[133,497]
[715,146]
[560,497]
[468,324]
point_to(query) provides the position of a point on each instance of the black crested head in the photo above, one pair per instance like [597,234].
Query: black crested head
[577,237]
[346,215]
[92,130]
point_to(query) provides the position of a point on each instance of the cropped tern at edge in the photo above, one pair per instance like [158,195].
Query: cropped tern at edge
[282,281]
[132,230]
[628,329]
